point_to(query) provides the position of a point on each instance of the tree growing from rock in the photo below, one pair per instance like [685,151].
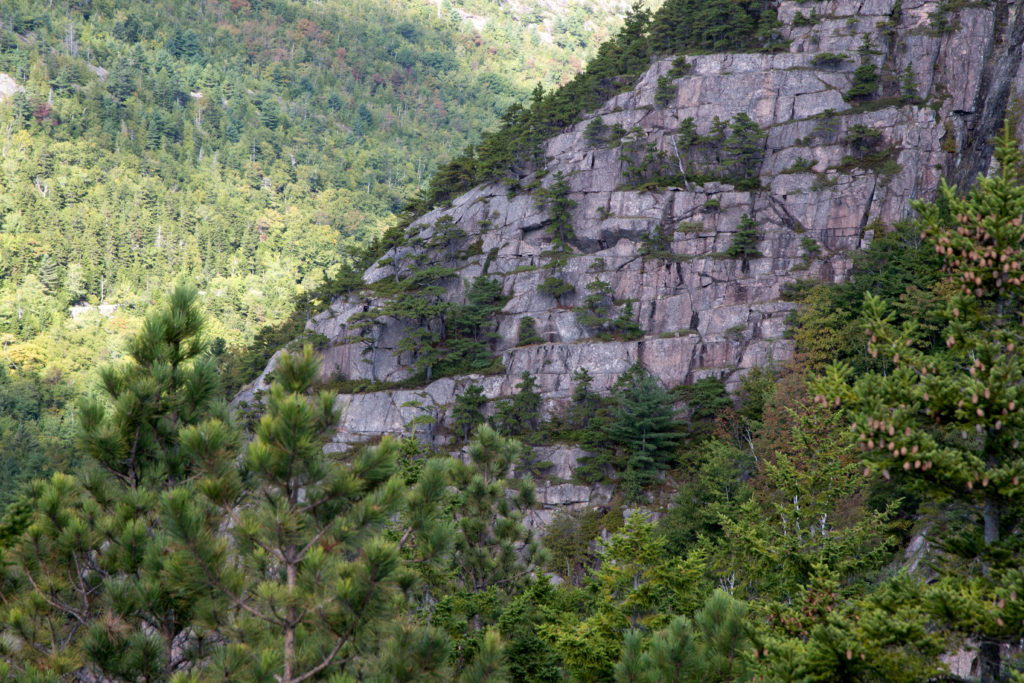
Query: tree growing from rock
[466,412]
[744,243]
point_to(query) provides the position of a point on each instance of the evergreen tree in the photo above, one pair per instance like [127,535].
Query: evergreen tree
[291,544]
[494,553]
[555,287]
[638,585]
[643,426]
[528,332]
[950,418]
[556,198]
[744,242]
[466,412]
[743,151]
[520,414]
[89,569]
[714,647]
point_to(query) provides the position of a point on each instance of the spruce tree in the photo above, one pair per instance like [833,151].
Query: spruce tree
[466,412]
[528,332]
[744,243]
[556,199]
[643,426]
[521,413]
[950,418]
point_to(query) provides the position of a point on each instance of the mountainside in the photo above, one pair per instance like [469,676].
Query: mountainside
[666,225]
[247,147]
[700,371]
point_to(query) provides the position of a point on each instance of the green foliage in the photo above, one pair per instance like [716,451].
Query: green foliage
[776,543]
[909,86]
[714,647]
[256,149]
[527,333]
[596,132]
[829,60]
[898,269]
[637,586]
[519,415]
[885,636]
[864,84]
[643,427]
[666,90]
[949,416]
[36,429]
[466,412]
[555,287]
[494,554]
[555,198]
[800,165]
[296,613]
[678,27]
[596,311]
[716,490]
[744,243]
[572,540]
[88,568]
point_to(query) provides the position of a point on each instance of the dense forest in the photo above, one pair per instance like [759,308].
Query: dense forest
[177,540]
[179,552]
[247,148]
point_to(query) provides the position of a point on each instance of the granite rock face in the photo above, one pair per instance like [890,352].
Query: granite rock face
[701,314]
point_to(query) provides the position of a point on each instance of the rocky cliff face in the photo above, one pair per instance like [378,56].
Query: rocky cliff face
[831,173]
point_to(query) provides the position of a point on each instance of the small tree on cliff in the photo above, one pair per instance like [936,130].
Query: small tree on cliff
[952,419]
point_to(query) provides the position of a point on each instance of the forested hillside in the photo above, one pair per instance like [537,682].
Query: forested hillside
[247,148]
[694,369]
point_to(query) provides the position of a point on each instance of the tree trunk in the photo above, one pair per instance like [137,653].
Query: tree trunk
[289,630]
[989,661]
[990,515]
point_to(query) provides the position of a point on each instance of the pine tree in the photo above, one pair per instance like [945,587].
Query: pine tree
[951,418]
[292,544]
[89,569]
[494,552]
